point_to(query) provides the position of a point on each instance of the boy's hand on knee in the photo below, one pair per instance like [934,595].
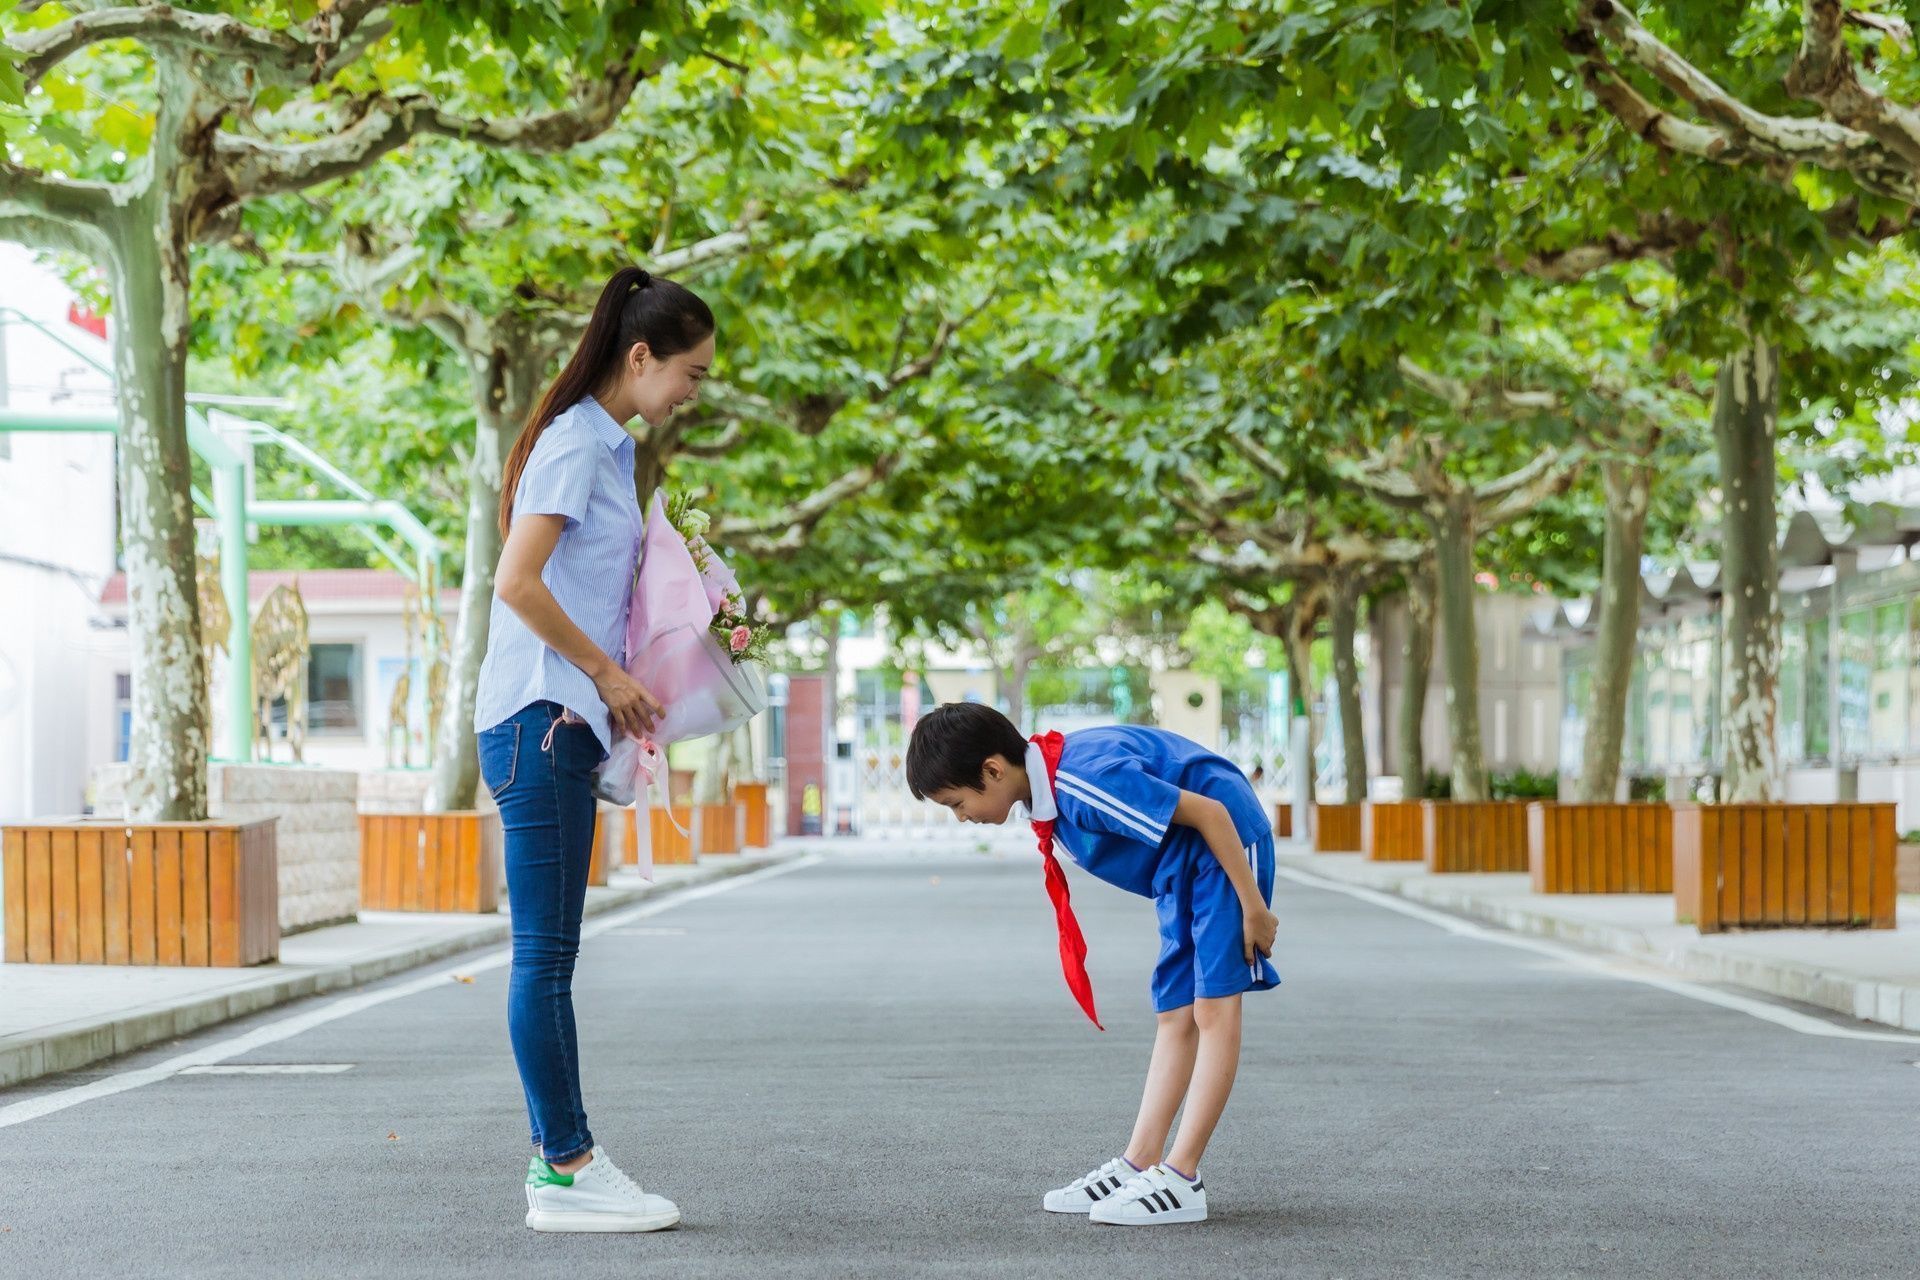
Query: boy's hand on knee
[1258,927]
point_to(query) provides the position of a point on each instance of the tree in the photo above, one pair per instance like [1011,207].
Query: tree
[226,111]
[496,258]
[1257,535]
[1860,133]
[1386,166]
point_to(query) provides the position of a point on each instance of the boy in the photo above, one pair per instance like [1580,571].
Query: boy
[1153,813]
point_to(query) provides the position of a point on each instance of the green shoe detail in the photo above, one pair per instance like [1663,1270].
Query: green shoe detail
[542,1174]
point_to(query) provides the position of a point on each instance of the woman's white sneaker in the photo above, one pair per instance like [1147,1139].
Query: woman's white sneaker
[1090,1189]
[595,1197]
[1154,1197]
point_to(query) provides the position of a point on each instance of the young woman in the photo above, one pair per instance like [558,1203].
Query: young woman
[553,693]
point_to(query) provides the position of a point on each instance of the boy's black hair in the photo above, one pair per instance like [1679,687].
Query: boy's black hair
[951,744]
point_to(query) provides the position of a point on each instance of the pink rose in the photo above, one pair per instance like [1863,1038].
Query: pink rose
[740,639]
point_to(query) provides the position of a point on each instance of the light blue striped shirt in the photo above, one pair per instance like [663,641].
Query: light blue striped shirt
[581,468]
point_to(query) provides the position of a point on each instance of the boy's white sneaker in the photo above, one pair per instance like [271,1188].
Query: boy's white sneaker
[1152,1198]
[597,1197]
[1090,1189]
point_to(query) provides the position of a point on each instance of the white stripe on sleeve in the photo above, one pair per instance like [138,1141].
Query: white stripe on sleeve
[1113,805]
[1064,787]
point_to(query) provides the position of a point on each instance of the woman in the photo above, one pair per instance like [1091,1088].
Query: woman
[553,693]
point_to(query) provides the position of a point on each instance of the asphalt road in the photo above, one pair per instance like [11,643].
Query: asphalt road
[870,1067]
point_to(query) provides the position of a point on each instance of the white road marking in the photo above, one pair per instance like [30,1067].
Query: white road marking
[332,1011]
[269,1069]
[1753,1007]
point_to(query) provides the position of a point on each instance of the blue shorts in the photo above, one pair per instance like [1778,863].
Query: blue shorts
[1202,941]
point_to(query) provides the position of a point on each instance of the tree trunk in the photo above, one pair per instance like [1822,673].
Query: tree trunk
[1416,652]
[649,469]
[1298,641]
[1346,679]
[1746,415]
[150,280]
[749,762]
[713,776]
[1453,565]
[1616,630]
[505,384]
[1019,672]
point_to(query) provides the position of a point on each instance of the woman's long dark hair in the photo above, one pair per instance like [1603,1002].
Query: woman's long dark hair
[634,307]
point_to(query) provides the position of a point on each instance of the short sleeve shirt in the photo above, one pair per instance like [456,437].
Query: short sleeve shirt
[1115,792]
[580,468]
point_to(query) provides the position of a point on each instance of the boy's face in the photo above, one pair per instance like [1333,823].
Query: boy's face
[991,801]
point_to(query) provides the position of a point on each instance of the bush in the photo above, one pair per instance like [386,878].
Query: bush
[1522,784]
[1650,789]
[1439,787]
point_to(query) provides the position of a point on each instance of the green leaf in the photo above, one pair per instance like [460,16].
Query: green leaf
[1023,39]
[1427,138]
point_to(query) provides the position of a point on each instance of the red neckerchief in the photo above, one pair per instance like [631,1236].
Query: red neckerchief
[1073,946]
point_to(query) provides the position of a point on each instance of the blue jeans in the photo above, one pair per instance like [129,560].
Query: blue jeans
[539,769]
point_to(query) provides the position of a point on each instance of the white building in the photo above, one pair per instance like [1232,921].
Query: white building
[357,649]
[56,549]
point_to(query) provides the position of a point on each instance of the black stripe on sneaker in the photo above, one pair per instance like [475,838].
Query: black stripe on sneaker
[1160,1200]
[1199,1186]
[1173,1201]
[1150,1205]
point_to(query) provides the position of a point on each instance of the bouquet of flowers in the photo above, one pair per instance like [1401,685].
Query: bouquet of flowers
[731,627]
[688,641]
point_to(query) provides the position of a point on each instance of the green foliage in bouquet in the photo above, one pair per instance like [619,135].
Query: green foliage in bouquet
[736,632]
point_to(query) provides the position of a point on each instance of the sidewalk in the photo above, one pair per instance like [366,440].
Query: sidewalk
[1873,974]
[61,1017]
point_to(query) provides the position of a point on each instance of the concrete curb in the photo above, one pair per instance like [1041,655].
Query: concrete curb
[70,1046]
[1722,959]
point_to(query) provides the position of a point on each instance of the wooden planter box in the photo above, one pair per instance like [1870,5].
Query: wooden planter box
[1769,865]
[1336,828]
[604,832]
[430,862]
[1474,835]
[669,846]
[163,893]
[1600,848]
[1393,831]
[719,828]
[1283,821]
[752,798]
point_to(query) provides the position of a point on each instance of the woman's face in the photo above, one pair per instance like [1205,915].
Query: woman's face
[661,386]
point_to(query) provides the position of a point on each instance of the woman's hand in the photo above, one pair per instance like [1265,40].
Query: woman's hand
[630,707]
[1257,929]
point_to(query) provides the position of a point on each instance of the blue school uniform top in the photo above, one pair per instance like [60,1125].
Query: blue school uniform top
[1113,800]
[580,468]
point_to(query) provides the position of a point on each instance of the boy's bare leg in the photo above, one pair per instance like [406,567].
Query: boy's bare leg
[1214,1066]
[1168,1072]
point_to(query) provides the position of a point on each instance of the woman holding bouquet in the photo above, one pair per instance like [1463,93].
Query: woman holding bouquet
[552,695]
